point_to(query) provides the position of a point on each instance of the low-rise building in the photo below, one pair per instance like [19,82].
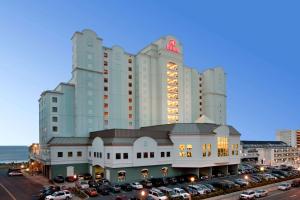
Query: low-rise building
[272,153]
[155,151]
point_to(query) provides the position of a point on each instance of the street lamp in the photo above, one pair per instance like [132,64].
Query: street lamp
[246,177]
[192,180]
[143,194]
[262,169]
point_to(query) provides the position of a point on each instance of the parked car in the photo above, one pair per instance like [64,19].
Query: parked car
[59,179]
[157,194]
[212,188]
[169,192]
[115,188]
[71,178]
[136,186]
[207,189]
[296,183]
[284,186]
[103,189]
[59,195]
[172,180]
[93,184]
[182,193]
[200,190]
[241,182]
[92,192]
[123,197]
[82,184]
[146,183]
[277,175]
[87,176]
[260,193]
[126,187]
[250,194]
[45,193]
[192,192]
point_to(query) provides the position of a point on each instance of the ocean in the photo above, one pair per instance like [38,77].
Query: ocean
[10,154]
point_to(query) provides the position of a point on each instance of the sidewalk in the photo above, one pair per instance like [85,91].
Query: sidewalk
[235,195]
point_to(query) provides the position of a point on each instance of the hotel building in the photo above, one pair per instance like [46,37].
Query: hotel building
[113,96]
[290,137]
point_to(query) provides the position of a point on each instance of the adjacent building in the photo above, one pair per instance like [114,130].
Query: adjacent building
[290,137]
[274,153]
[121,110]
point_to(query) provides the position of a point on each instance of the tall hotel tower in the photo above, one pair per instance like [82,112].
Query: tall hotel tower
[111,88]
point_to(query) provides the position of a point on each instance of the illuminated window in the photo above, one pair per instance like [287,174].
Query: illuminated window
[204,150]
[105,114]
[106,105]
[189,147]
[172,93]
[222,146]
[182,147]
[208,149]
[234,149]
[189,154]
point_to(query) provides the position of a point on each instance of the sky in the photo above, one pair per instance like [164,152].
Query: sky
[256,42]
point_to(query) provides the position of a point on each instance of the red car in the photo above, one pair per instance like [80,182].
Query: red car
[92,192]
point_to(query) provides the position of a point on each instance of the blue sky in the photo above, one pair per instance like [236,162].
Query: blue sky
[257,43]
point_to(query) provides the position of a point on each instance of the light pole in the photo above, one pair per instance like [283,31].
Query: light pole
[143,194]
[192,180]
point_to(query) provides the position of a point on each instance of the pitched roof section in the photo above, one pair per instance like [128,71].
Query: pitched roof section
[69,141]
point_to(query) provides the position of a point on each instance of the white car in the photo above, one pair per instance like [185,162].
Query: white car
[136,185]
[200,190]
[182,193]
[15,173]
[250,194]
[81,184]
[284,186]
[261,193]
[157,194]
[60,195]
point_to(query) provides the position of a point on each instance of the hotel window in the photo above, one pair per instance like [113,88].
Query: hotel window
[105,80]
[98,155]
[108,155]
[145,154]
[222,146]
[54,109]
[129,107]
[130,76]
[130,116]
[94,154]
[105,55]
[54,128]
[90,154]
[129,60]
[105,71]
[168,154]
[200,85]
[79,154]
[129,84]
[54,99]
[151,154]
[206,150]
[105,96]
[106,105]
[130,100]
[200,97]
[130,123]
[162,154]
[106,122]
[129,69]
[234,149]
[189,148]
[105,114]
[54,119]
[118,156]
[200,103]
[139,155]
[70,154]
[105,63]
[130,92]
[60,154]
[105,88]
[125,155]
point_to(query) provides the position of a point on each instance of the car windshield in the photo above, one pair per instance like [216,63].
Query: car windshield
[160,194]
[181,191]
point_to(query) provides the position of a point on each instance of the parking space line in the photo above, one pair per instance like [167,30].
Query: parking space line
[8,192]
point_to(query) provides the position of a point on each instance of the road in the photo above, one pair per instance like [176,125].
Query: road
[17,188]
[293,194]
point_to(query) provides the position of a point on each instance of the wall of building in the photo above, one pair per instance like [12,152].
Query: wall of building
[57,170]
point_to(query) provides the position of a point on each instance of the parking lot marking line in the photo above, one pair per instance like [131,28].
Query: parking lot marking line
[293,196]
[8,192]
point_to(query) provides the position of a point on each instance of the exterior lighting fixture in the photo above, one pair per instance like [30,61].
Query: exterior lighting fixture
[143,193]
[22,166]
[246,177]
[27,169]
[262,169]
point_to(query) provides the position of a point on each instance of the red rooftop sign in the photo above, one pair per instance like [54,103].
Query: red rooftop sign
[171,46]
